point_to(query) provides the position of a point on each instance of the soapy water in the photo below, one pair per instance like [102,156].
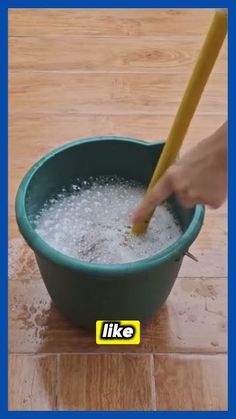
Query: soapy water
[91,222]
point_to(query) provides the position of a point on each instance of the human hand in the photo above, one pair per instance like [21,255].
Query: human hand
[200,177]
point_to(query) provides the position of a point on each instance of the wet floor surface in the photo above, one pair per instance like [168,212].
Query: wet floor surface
[79,73]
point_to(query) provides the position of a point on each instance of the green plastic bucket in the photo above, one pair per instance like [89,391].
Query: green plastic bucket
[86,292]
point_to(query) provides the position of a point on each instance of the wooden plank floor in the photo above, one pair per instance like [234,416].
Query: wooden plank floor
[78,73]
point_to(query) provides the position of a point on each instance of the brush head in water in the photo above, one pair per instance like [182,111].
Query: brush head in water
[90,222]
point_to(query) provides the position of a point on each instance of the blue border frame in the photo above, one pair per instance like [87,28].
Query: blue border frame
[4,6]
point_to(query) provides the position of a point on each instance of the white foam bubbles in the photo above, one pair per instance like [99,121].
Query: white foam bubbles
[90,222]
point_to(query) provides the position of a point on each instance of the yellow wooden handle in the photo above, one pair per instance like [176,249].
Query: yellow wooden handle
[190,100]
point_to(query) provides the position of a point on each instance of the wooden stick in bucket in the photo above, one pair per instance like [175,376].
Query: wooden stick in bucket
[190,100]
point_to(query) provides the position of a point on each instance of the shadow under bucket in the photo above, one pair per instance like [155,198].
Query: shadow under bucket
[86,292]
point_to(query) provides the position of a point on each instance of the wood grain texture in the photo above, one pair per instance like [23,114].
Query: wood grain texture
[77,73]
[46,132]
[113,55]
[32,382]
[194,319]
[52,92]
[191,382]
[109,22]
[105,382]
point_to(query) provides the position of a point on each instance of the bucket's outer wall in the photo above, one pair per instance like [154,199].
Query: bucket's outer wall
[84,295]
[135,296]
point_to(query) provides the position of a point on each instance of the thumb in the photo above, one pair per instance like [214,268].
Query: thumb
[161,191]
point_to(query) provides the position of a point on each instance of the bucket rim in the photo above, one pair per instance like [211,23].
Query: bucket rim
[175,251]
